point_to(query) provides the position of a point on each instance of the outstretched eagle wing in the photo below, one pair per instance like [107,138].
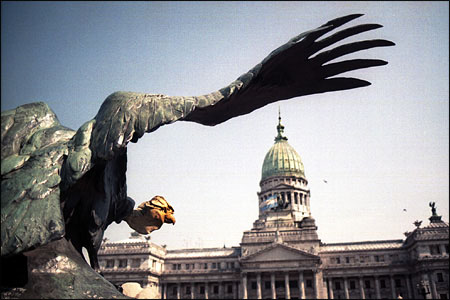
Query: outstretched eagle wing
[297,68]
[294,69]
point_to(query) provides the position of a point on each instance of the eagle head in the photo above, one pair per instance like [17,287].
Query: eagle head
[151,215]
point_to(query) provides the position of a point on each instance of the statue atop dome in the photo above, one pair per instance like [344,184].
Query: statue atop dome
[434,216]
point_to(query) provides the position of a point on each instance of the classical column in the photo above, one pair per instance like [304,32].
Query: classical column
[236,290]
[206,290]
[272,286]
[244,285]
[433,286]
[164,285]
[179,290]
[361,288]
[347,296]
[377,287]
[394,294]
[258,286]
[316,284]
[286,286]
[330,288]
[192,290]
[426,279]
[221,289]
[301,283]
[408,286]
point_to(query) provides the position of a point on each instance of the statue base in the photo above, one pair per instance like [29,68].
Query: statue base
[57,271]
[435,219]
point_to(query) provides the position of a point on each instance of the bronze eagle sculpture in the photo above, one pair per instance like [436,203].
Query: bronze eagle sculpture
[56,182]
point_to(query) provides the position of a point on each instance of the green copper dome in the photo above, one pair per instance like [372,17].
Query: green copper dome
[282,159]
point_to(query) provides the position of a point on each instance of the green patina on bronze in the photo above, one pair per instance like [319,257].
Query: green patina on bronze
[282,159]
[33,149]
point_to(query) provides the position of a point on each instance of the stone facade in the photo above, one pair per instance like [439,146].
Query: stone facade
[283,257]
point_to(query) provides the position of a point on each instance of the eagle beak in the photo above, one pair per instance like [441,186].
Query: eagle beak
[170,219]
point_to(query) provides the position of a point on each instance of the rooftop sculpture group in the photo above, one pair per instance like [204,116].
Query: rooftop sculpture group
[56,182]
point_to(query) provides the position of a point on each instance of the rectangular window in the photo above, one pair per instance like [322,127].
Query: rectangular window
[308,283]
[202,290]
[295,198]
[433,249]
[205,266]
[440,277]
[174,291]
[377,258]
[216,289]
[267,285]
[187,266]
[188,290]
[394,257]
[229,289]
[110,263]
[338,260]
[213,266]
[352,284]
[347,260]
[367,284]
[337,285]
[398,283]
[382,284]
[154,264]
[361,259]
[135,263]
[253,284]
[279,284]
[122,263]
[293,284]
[174,266]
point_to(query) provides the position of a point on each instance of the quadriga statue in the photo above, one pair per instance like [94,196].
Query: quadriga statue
[56,182]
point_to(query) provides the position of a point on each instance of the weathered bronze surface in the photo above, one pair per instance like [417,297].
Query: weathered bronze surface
[151,215]
[60,183]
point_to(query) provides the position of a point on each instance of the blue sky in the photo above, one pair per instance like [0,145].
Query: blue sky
[382,148]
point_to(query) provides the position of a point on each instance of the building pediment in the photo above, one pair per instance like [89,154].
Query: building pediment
[283,186]
[277,253]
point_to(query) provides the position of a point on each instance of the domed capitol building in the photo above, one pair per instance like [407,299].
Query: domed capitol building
[281,256]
